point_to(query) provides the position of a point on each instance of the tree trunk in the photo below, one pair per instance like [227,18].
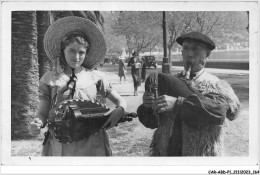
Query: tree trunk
[170,45]
[43,22]
[170,54]
[24,73]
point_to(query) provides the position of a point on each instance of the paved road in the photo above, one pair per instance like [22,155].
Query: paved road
[175,69]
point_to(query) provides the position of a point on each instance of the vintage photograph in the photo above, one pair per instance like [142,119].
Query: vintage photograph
[129,83]
[198,106]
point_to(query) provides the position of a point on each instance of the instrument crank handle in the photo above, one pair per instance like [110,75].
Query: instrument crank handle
[128,117]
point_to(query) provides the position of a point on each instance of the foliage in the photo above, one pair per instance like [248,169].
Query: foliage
[140,29]
[115,43]
[222,27]
[209,23]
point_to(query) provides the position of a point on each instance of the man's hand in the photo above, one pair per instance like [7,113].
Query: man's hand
[148,99]
[164,103]
[35,127]
[115,116]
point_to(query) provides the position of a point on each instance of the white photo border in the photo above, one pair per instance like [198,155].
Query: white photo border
[156,165]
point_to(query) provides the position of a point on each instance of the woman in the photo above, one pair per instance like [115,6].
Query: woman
[136,64]
[121,68]
[76,45]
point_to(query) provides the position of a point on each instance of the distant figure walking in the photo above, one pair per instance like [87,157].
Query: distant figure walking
[121,68]
[136,64]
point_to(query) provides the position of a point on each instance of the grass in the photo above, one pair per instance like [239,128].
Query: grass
[130,144]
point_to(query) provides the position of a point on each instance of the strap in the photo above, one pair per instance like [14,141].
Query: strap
[73,79]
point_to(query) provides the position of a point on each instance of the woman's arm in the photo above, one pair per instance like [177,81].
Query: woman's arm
[118,112]
[40,119]
[45,102]
[43,111]
[114,97]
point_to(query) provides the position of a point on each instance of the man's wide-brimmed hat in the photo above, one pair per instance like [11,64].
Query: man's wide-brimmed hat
[62,28]
[197,37]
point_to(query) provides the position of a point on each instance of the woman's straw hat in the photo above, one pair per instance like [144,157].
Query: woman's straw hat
[63,27]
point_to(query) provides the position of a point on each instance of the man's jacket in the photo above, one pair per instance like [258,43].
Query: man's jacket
[196,125]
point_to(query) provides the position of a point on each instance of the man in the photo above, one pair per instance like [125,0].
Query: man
[136,63]
[191,109]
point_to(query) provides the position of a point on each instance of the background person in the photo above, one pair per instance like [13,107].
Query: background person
[136,63]
[122,68]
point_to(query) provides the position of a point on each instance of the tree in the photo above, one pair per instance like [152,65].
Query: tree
[235,28]
[138,28]
[115,44]
[209,23]
[24,73]
[43,22]
[178,24]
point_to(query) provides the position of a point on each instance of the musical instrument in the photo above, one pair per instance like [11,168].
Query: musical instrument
[165,84]
[78,119]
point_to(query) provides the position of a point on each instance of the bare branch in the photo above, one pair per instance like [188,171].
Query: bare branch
[200,22]
[180,23]
[211,27]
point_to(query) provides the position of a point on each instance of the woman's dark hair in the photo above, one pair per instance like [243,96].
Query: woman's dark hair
[70,39]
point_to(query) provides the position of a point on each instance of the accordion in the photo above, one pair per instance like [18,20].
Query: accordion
[78,119]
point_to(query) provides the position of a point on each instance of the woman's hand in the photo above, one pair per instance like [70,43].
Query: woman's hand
[52,113]
[148,99]
[115,116]
[35,127]
[117,113]
[164,103]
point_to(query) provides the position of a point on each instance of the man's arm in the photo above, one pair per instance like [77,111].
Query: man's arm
[195,110]
[226,90]
[198,110]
